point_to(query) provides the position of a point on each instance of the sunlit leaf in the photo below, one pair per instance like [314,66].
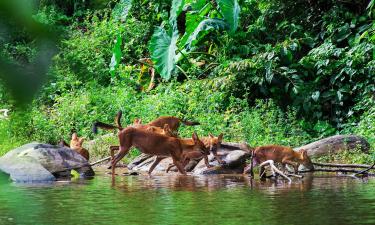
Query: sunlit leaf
[116,56]
[121,10]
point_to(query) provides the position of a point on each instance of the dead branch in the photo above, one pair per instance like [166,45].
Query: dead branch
[364,171]
[274,169]
[100,160]
[294,175]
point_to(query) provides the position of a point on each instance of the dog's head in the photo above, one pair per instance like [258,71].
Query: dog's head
[76,142]
[199,145]
[305,159]
[214,143]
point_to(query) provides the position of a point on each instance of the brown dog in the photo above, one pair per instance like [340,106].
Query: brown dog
[155,144]
[76,145]
[163,129]
[280,154]
[173,122]
[212,143]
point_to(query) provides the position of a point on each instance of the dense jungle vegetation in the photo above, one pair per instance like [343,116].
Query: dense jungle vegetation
[276,71]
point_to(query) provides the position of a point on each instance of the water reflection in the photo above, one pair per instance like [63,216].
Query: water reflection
[215,182]
[176,199]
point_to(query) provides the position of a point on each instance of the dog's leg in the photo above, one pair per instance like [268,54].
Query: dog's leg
[206,161]
[112,149]
[169,167]
[119,156]
[155,163]
[177,162]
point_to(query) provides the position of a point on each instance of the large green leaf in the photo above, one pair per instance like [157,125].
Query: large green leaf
[176,9]
[121,10]
[163,52]
[163,45]
[231,12]
[204,28]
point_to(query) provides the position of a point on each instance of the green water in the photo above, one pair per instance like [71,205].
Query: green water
[178,199]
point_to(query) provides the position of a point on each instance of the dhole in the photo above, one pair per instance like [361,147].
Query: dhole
[155,144]
[280,154]
[212,143]
[76,145]
[173,123]
[163,129]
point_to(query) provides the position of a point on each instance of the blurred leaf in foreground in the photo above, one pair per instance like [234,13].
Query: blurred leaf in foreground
[22,80]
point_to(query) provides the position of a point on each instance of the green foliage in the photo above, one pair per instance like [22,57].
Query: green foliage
[285,72]
[163,44]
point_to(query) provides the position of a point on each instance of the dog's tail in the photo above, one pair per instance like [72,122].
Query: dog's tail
[190,123]
[118,119]
[106,126]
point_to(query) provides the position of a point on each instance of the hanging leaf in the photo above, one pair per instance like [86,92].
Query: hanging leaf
[116,56]
[231,12]
[121,10]
[204,28]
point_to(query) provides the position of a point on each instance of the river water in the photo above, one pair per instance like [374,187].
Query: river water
[175,199]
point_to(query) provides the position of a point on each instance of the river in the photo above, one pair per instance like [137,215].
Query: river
[175,199]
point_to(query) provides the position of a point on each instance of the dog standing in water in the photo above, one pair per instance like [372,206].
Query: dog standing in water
[279,154]
[154,144]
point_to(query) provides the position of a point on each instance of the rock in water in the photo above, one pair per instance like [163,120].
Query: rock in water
[36,162]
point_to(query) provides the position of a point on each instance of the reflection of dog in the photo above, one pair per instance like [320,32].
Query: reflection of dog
[279,154]
[212,143]
[76,145]
[155,144]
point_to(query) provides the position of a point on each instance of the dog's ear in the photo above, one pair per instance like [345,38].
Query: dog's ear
[137,121]
[74,136]
[211,136]
[80,140]
[220,137]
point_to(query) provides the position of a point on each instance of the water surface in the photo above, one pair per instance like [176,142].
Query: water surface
[174,199]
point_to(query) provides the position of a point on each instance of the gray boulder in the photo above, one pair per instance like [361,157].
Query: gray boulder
[36,162]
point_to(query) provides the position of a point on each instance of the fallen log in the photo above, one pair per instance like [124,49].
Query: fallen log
[335,144]
[342,165]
